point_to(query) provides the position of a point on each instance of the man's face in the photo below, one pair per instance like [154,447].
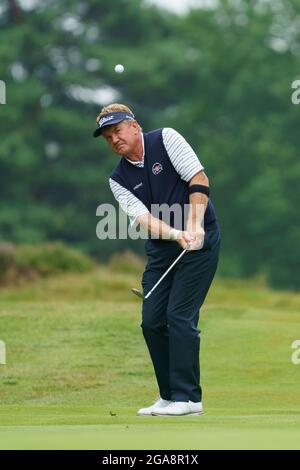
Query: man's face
[122,137]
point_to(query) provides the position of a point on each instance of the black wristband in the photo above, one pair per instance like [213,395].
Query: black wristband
[199,188]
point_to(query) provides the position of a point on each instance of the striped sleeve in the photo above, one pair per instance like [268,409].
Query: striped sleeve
[181,154]
[130,204]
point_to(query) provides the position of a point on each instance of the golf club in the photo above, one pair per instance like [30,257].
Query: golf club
[141,295]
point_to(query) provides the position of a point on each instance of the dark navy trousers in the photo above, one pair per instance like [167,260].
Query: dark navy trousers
[171,314]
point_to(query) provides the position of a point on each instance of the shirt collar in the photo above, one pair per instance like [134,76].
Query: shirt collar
[142,162]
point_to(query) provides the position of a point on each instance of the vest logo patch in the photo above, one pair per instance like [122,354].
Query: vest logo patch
[138,186]
[157,168]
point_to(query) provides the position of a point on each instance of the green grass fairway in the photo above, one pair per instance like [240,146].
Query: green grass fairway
[78,369]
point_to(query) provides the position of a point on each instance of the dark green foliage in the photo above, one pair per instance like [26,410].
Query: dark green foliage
[19,262]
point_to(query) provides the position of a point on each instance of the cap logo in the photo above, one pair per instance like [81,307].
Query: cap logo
[112,118]
[105,119]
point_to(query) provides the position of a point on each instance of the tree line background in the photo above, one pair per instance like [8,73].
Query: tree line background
[220,76]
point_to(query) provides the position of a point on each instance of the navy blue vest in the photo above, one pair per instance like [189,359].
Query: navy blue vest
[158,182]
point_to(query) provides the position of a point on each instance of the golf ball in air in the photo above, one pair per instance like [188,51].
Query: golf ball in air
[119,68]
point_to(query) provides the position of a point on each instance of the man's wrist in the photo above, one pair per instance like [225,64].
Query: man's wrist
[174,234]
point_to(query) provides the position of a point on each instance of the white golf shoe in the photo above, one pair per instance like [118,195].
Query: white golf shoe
[180,408]
[158,405]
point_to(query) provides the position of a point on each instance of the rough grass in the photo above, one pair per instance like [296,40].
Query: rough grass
[23,263]
[77,367]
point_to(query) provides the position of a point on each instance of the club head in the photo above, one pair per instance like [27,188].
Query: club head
[137,293]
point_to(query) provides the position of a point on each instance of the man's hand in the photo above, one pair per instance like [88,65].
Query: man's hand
[198,240]
[193,239]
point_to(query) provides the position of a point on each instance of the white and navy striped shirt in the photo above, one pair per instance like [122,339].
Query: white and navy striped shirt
[182,157]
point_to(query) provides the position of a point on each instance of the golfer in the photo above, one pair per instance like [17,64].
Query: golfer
[160,167]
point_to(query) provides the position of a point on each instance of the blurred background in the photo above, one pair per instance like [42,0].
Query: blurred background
[220,72]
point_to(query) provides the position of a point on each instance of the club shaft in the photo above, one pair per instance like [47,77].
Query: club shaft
[164,275]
